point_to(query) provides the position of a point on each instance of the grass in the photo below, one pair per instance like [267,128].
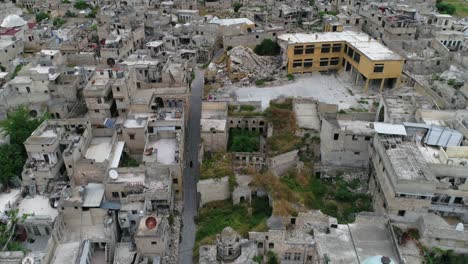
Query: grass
[216,165]
[215,216]
[461,7]
[284,138]
[243,141]
[335,198]
[128,161]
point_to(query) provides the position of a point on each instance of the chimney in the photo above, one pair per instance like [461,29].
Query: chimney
[385,260]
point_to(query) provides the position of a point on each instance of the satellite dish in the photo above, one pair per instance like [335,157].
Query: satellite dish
[151,222]
[110,62]
[113,174]
[28,260]
[460,227]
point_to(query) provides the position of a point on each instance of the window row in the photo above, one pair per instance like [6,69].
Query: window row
[310,49]
[307,63]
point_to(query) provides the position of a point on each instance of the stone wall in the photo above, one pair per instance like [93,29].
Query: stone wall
[213,190]
[282,163]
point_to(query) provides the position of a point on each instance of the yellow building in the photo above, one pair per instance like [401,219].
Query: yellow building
[369,62]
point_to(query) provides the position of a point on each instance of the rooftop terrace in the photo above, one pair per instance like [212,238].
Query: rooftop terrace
[99,149]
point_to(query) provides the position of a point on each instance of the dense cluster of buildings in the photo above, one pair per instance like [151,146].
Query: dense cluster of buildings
[104,173]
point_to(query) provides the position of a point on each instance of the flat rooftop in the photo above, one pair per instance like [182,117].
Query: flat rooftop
[406,159]
[371,48]
[208,124]
[164,151]
[99,149]
[66,253]
[130,177]
[356,126]
[9,199]
[38,205]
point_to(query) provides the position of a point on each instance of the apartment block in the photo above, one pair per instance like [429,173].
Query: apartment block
[369,62]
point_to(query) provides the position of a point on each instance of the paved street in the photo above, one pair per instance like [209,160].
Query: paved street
[192,142]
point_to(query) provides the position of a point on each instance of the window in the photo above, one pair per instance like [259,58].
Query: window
[367,138]
[308,63]
[350,52]
[96,110]
[297,256]
[378,68]
[175,181]
[138,85]
[401,212]
[287,256]
[115,194]
[357,153]
[271,245]
[153,242]
[309,49]
[260,245]
[335,61]
[131,136]
[293,221]
[336,48]
[297,63]
[99,101]
[355,137]
[323,62]
[36,231]
[336,136]
[309,258]
[357,57]
[117,89]
[326,48]
[134,212]
[298,50]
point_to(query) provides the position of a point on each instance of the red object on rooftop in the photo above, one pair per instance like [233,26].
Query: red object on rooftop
[31,25]
[151,222]
[10,32]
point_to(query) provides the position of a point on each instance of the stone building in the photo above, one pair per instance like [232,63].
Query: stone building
[151,238]
[418,168]
[344,143]
[214,132]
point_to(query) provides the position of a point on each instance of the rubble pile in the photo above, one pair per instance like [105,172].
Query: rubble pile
[244,62]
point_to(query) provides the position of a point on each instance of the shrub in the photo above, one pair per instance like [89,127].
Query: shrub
[58,21]
[244,141]
[81,5]
[70,14]
[445,8]
[290,77]
[259,82]
[247,108]
[267,48]
[237,6]
[41,16]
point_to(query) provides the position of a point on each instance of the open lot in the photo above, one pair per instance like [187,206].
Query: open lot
[326,88]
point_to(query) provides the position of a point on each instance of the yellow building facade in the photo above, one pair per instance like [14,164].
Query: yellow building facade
[369,62]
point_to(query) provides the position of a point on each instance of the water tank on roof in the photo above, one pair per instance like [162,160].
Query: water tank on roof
[113,174]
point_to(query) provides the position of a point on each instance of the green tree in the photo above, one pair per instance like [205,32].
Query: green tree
[81,5]
[41,16]
[8,231]
[237,6]
[12,159]
[267,48]
[445,8]
[19,125]
[58,21]
[70,14]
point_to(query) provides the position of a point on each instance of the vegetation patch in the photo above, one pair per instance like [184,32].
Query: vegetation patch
[445,8]
[437,255]
[19,125]
[284,138]
[41,16]
[216,165]
[128,161]
[243,141]
[267,47]
[337,198]
[215,216]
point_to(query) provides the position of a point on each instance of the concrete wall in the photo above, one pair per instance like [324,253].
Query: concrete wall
[213,190]
[282,163]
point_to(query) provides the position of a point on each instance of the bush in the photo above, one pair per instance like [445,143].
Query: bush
[267,48]
[445,8]
[259,82]
[290,77]
[58,21]
[70,14]
[247,108]
[41,16]
[237,6]
[81,5]
[244,141]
